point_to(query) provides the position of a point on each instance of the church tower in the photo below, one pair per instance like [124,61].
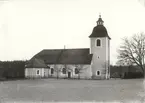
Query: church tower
[100,48]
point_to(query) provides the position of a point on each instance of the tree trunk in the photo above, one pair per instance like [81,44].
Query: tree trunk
[57,75]
[143,71]
[79,76]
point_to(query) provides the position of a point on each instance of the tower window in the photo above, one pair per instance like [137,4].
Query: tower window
[64,71]
[98,73]
[52,70]
[98,42]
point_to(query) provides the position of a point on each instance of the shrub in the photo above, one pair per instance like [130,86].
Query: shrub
[12,69]
[115,75]
[129,75]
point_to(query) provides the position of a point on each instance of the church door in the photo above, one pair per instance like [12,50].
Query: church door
[69,74]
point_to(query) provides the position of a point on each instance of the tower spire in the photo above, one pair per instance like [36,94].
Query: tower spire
[99,15]
[100,21]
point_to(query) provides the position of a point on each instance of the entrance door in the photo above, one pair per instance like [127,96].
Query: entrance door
[69,74]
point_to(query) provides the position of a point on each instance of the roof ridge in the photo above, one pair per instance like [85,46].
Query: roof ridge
[66,49]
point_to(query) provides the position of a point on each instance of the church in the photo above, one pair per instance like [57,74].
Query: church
[81,63]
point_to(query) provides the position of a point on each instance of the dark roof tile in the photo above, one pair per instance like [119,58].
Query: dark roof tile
[65,56]
[99,31]
[36,63]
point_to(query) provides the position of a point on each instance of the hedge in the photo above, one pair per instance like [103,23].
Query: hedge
[129,75]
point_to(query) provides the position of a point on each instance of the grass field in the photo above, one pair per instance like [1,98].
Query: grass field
[71,90]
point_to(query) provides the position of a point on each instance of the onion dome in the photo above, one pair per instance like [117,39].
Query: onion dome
[99,30]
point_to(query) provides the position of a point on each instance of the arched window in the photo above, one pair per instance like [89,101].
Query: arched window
[76,71]
[98,73]
[52,70]
[98,42]
[38,72]
[64,71]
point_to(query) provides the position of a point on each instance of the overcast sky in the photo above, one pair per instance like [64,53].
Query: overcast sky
[29,26]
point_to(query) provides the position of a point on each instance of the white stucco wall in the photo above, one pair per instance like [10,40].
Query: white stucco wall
[32,72]
[108,59]
[100,57]
[86,70]
[46,72]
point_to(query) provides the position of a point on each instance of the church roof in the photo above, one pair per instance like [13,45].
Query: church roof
[99,30]
[36,63]
[65,56]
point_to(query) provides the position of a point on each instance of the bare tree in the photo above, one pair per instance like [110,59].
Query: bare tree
[57,70]
[142,2]
[65,70]
[79,69]
[132,51]
[107,68]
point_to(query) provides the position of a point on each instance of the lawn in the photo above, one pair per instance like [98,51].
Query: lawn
[71,90]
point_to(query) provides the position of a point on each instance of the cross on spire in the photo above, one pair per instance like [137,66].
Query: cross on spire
[99,15]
